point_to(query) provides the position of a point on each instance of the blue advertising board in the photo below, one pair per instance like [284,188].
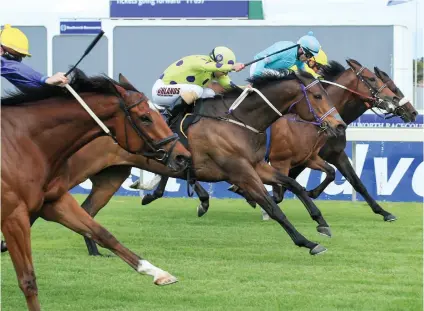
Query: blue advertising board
[391,171]
[80,27]
[179,9]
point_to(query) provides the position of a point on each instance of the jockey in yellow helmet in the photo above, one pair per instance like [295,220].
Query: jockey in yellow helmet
[189,78]
[314,64]
[14,47]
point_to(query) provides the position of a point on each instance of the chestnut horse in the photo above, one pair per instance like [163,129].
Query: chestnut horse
[42,128]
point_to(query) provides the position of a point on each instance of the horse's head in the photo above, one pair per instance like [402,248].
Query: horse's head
[404,109]
[318,107]
[143,130]
[369,84]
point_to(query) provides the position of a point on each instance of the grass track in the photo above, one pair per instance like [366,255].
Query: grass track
[230,260]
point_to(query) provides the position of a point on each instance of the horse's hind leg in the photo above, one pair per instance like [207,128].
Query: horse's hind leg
[67,212]
[317,163]
[270,175]
[105,184]
[158,193]
[16,230]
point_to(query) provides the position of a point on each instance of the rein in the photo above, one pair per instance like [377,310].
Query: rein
[318,121]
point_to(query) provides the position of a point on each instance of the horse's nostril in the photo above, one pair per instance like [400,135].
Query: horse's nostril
[341,127]
[181,160]
[415,113]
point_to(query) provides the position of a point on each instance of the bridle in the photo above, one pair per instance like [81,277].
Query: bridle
[319,121]
[158,153]
[373,101]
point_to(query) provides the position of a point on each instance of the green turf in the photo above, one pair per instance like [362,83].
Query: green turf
[231,260]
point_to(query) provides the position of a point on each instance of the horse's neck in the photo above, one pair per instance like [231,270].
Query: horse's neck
[70,127]
[255,112]
[349,105]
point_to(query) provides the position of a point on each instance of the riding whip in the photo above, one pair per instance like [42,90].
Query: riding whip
[259,59]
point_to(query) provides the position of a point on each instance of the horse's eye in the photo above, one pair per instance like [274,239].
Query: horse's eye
[145,120]
[372,79]
[317,96]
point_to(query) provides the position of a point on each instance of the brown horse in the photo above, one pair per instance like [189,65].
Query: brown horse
[296,144]
[224,151]
[332,153]
[41,128]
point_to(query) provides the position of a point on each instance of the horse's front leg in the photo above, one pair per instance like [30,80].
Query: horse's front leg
[342,163]
[269,175]
[242,174]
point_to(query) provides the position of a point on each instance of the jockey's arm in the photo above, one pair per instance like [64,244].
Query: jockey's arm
[21,75]
[215,67]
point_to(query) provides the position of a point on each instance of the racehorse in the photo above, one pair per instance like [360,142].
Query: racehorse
[41,128]
[234,151]
[331,153]
[297,143]
[285,153]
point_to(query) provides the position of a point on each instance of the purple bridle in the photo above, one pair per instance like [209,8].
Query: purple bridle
[318,121]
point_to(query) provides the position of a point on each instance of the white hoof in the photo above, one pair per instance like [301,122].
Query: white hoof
[165,279]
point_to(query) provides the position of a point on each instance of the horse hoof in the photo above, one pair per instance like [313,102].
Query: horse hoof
[319,249]
[165,279]
[3,247]
[135,185]
[147,199]
[201,210]
[390,218]
[326,231]
[233,188]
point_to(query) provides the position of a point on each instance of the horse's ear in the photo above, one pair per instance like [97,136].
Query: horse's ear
[349,62]
[123,80]
[377,72]
[120,90]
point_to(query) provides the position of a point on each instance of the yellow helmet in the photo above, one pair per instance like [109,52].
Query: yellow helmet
[321,58]
[223,55]
[14,39]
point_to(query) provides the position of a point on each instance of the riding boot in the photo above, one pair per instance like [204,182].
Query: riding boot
[175,109]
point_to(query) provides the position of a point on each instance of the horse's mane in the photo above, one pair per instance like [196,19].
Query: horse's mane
[332,71]
[265,78]
[80,83]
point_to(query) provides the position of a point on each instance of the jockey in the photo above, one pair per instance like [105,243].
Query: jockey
[190,78]
[315,64]
[306,48]
[13,48]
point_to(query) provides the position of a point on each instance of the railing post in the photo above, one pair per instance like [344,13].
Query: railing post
[354,167]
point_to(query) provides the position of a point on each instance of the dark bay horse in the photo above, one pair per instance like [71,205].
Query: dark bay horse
[41,128]
[224,151]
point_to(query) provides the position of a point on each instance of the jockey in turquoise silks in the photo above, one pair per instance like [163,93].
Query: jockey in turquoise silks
[306,48]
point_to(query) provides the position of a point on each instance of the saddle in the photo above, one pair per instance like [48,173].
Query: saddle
[180,124]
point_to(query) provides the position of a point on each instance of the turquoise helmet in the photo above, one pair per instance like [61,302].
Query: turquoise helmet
[310,43]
